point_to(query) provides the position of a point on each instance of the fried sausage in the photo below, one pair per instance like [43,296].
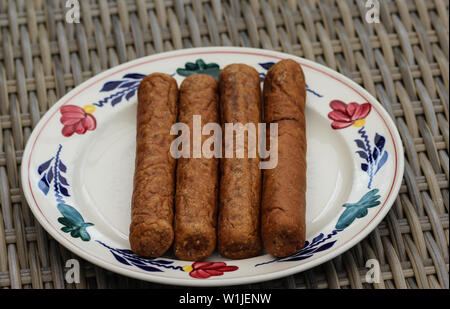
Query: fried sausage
[151,231]
[240,183]
[197,178]
[284,187]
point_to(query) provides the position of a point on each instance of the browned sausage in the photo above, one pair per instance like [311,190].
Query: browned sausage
[151,232]
[197,178]
[284,187]
[240,184]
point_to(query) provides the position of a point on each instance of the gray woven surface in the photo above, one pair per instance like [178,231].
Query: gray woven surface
[403,61]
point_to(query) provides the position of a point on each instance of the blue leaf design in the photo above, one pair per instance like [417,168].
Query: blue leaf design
[119,258]
[116,100]
[382,161]
[360,144]
[304,251]
[164,262]
[109,86]
[62,167]
[43,185]
[44,166]
[266,65]
[63,180]
[364,167]
[317,238]
[130,95]
[136,261]
[134,76]
[309,249]
[125,251]
[147,268]
[379,141]
[50,176]
[128,85]
[127,257]
[297,258]
[326,246]
[375,153]
[363,155]
[313,92]
[63,191]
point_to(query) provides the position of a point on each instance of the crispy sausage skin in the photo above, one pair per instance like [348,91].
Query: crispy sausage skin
[284,187]
[197,178]
[151,231]
[240,183]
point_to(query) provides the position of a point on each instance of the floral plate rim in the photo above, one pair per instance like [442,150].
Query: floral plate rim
[43,220]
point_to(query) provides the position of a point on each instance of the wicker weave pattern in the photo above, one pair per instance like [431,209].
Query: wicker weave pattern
[403,61]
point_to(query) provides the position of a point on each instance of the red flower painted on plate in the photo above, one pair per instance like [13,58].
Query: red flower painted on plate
[77,120]
[345,115]
[203,270]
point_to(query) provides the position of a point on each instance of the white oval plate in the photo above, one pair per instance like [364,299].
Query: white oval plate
[78,168]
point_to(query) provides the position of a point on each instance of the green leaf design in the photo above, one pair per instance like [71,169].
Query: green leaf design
[200,67]
[358,210]
[64,221]
[66,229]
[73,222]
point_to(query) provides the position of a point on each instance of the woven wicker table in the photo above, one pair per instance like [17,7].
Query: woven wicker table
[403,61]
